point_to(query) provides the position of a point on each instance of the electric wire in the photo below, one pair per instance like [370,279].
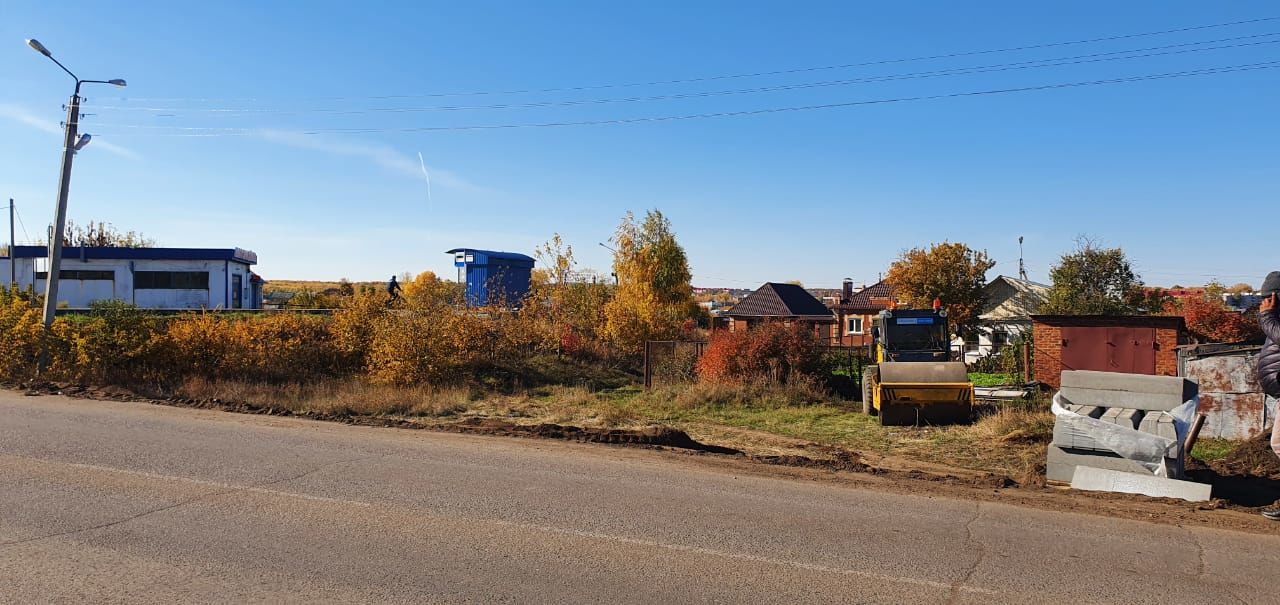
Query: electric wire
[952,55]
[18,213]
[241,131]
[1039,63]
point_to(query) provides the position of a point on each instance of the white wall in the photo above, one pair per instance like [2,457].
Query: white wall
[986,344]
[77,294]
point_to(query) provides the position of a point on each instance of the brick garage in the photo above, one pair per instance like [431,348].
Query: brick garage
[1135,344]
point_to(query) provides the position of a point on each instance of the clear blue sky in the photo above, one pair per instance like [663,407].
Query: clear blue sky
[1181,172]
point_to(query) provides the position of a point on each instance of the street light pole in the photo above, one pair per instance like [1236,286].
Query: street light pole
[72,142]
[60,214]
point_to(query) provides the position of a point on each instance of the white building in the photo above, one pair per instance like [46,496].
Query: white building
[151,278]
[1006,316]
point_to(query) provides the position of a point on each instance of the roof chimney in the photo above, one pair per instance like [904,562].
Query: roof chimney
[848,290]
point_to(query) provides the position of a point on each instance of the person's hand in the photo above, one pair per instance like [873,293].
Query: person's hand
[1268,304]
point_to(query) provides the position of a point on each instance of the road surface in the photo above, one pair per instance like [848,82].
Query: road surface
[112,502]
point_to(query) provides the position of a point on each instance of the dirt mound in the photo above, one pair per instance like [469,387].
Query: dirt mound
[658,436]
[1253,458]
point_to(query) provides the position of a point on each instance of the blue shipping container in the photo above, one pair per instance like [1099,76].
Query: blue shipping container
[494,277]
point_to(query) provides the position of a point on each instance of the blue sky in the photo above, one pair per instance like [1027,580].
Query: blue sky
[1179,172]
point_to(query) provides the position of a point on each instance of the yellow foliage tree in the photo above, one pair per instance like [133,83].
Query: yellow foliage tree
[951,272]
[427,289]
[654,296]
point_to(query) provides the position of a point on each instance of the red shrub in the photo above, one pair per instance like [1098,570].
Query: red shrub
[771,351]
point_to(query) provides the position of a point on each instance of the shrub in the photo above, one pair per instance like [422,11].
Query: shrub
[21,334]
[115,343]
[771,351]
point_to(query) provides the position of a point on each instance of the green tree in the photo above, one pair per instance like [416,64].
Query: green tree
[953,273]
[654,295]
[1093,280]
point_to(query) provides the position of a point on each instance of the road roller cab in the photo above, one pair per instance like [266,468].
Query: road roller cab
[914,380]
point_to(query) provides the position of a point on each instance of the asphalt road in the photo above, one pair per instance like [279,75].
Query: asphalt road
[128,502]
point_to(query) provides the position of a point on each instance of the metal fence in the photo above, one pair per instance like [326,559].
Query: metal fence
[1230,396]
[671,361]
[668,362]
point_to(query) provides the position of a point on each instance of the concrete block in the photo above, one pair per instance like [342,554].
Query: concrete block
[1123,416]
[1138,383]
[1061,463]
[1159,423]
[1107,480]
[1091,411]
[1065,436]
[1131,391]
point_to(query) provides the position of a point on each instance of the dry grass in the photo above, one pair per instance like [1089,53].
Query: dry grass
[336,397]
[757,418]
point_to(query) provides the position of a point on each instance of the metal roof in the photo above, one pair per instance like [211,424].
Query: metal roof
[108,253]
[781,300]
[1024,298]
[494,254]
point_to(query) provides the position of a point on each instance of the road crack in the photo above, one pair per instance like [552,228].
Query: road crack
[207,495]
[977,544]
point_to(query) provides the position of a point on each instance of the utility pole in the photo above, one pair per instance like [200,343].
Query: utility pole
[13,262]
[60,214]
[72,142]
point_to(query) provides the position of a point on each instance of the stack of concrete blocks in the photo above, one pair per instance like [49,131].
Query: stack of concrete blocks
[1131,400]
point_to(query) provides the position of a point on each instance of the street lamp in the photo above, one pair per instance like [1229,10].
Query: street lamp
[73,141]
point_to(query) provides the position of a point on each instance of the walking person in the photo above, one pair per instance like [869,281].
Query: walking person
[1269,359]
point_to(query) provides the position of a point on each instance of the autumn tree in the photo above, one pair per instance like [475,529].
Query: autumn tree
[570,308]
[951,272]
[654,296]
[1093,280]
[1209,319]
[104,235]
[1240,288]
[427,290]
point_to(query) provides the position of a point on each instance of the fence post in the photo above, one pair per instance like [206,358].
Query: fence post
[648,376]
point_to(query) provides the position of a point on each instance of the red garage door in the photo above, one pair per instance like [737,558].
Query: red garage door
[1107,349]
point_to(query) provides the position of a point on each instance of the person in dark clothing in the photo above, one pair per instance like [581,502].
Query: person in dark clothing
[393,288]
[1269,358]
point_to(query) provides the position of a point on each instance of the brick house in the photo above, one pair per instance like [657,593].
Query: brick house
[855,311]
[787,303]
[1134,344]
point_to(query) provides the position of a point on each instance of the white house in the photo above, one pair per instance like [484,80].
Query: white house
[1006,316]
[152,278]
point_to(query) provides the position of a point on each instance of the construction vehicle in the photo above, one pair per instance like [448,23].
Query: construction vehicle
[914,381]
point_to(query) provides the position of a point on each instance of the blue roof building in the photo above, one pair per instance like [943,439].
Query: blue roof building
[493,277]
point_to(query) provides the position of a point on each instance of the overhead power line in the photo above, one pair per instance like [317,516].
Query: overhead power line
[957,71]
[216,131]
[757,74]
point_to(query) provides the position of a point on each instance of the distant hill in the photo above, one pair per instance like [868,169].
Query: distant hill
[297,285]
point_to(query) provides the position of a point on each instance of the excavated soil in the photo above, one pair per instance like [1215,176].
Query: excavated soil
[1254,458]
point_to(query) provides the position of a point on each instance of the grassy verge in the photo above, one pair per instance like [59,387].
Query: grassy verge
[983,379]
[754,418]
[1209,450]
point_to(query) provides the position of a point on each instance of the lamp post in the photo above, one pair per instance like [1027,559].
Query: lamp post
[73,141]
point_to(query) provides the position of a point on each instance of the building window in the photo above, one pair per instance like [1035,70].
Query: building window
[80,275]
[171,280]
[853,325]
[999,338]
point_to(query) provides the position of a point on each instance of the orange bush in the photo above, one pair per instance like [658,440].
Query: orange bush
[771,351]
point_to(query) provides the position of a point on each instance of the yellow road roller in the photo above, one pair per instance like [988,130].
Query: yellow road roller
[914,381]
